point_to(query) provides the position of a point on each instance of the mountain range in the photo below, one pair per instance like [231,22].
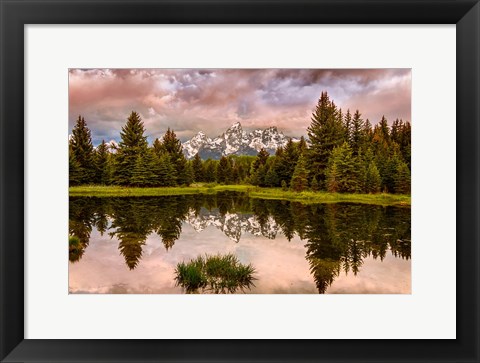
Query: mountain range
[235,141]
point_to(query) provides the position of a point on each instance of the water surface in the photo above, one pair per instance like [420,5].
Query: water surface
[132,245]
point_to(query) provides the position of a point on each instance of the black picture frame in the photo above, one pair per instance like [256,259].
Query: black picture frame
[15,14]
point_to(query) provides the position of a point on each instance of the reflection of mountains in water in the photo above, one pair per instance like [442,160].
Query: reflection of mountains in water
[233,225]
[338,237]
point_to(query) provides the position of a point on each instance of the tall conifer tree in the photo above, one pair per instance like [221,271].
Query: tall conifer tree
[299,180]
[224,170]
[198,170]
[132,145]
[102,169]
[343,172]
[325,133]
[81,148]
[347,121]
[358,133]
[172,145]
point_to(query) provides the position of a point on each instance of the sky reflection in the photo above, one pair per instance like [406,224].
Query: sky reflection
[281,266]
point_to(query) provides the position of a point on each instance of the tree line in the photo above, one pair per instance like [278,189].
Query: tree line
[344,153]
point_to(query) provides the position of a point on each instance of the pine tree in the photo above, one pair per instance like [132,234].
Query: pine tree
[132,145]
[367,131]
[165,171]
[299,179]
[75,173]
[301,146]
[341,122]
[383,125]
[172,145]
[258,170]
[382,150]
[343,173]
[389,172]
[236,173]
[224,171]
[261,159]
[284,185]
[81,149]
[197,166]
[158,147]
[188,174]
[332,181]
[152,168]
[271,177]
[314,184]
[395,132]
[325,133]
[285,161]
[347,121]
[241,172]
[145,171]
[258,178]
[402,179]
[405,142]
[357,139]
[373,181]
[102,170]
[210,170]
[139,176]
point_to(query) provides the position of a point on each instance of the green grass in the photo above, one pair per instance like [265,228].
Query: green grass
[219,274]
[75,250]
[306,197]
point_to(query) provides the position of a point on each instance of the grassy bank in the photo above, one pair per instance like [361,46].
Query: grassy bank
[253,192]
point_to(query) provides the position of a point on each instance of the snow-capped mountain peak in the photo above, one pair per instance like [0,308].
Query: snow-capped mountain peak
[191,147]
[235,141]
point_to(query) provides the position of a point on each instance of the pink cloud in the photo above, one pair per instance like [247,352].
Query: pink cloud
[189,100]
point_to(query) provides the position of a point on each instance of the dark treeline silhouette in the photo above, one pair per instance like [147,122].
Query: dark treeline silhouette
[338,236]
[344,153]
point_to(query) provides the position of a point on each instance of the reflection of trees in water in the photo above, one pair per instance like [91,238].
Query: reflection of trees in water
[132,223]
[341,236]
[81,219]
[282,213]
[338,236]
[170,214]
[324,247]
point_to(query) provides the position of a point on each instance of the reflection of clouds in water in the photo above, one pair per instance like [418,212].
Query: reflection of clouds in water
[281,266]
[392,276]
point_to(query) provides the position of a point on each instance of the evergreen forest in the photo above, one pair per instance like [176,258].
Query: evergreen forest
[342,153]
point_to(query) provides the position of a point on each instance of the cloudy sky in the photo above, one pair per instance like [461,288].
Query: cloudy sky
[190,100]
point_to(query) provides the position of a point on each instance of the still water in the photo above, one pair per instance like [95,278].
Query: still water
[133,245]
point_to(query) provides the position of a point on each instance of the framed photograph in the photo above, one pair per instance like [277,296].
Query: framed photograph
[239,181]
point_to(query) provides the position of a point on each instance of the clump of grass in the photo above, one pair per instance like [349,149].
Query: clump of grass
[220,274]
[73,242]
[75,250]
[190,276]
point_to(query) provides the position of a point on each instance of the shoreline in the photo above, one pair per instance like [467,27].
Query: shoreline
[306,197]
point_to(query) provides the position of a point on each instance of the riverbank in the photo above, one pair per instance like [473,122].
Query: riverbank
[254,192]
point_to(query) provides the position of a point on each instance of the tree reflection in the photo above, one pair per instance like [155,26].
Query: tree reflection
[338,237]
[132,223]
[170,214]
[81,219]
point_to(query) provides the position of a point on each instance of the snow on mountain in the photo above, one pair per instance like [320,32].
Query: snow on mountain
[112,146]
[233,225]
[191,147]
[234,141]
